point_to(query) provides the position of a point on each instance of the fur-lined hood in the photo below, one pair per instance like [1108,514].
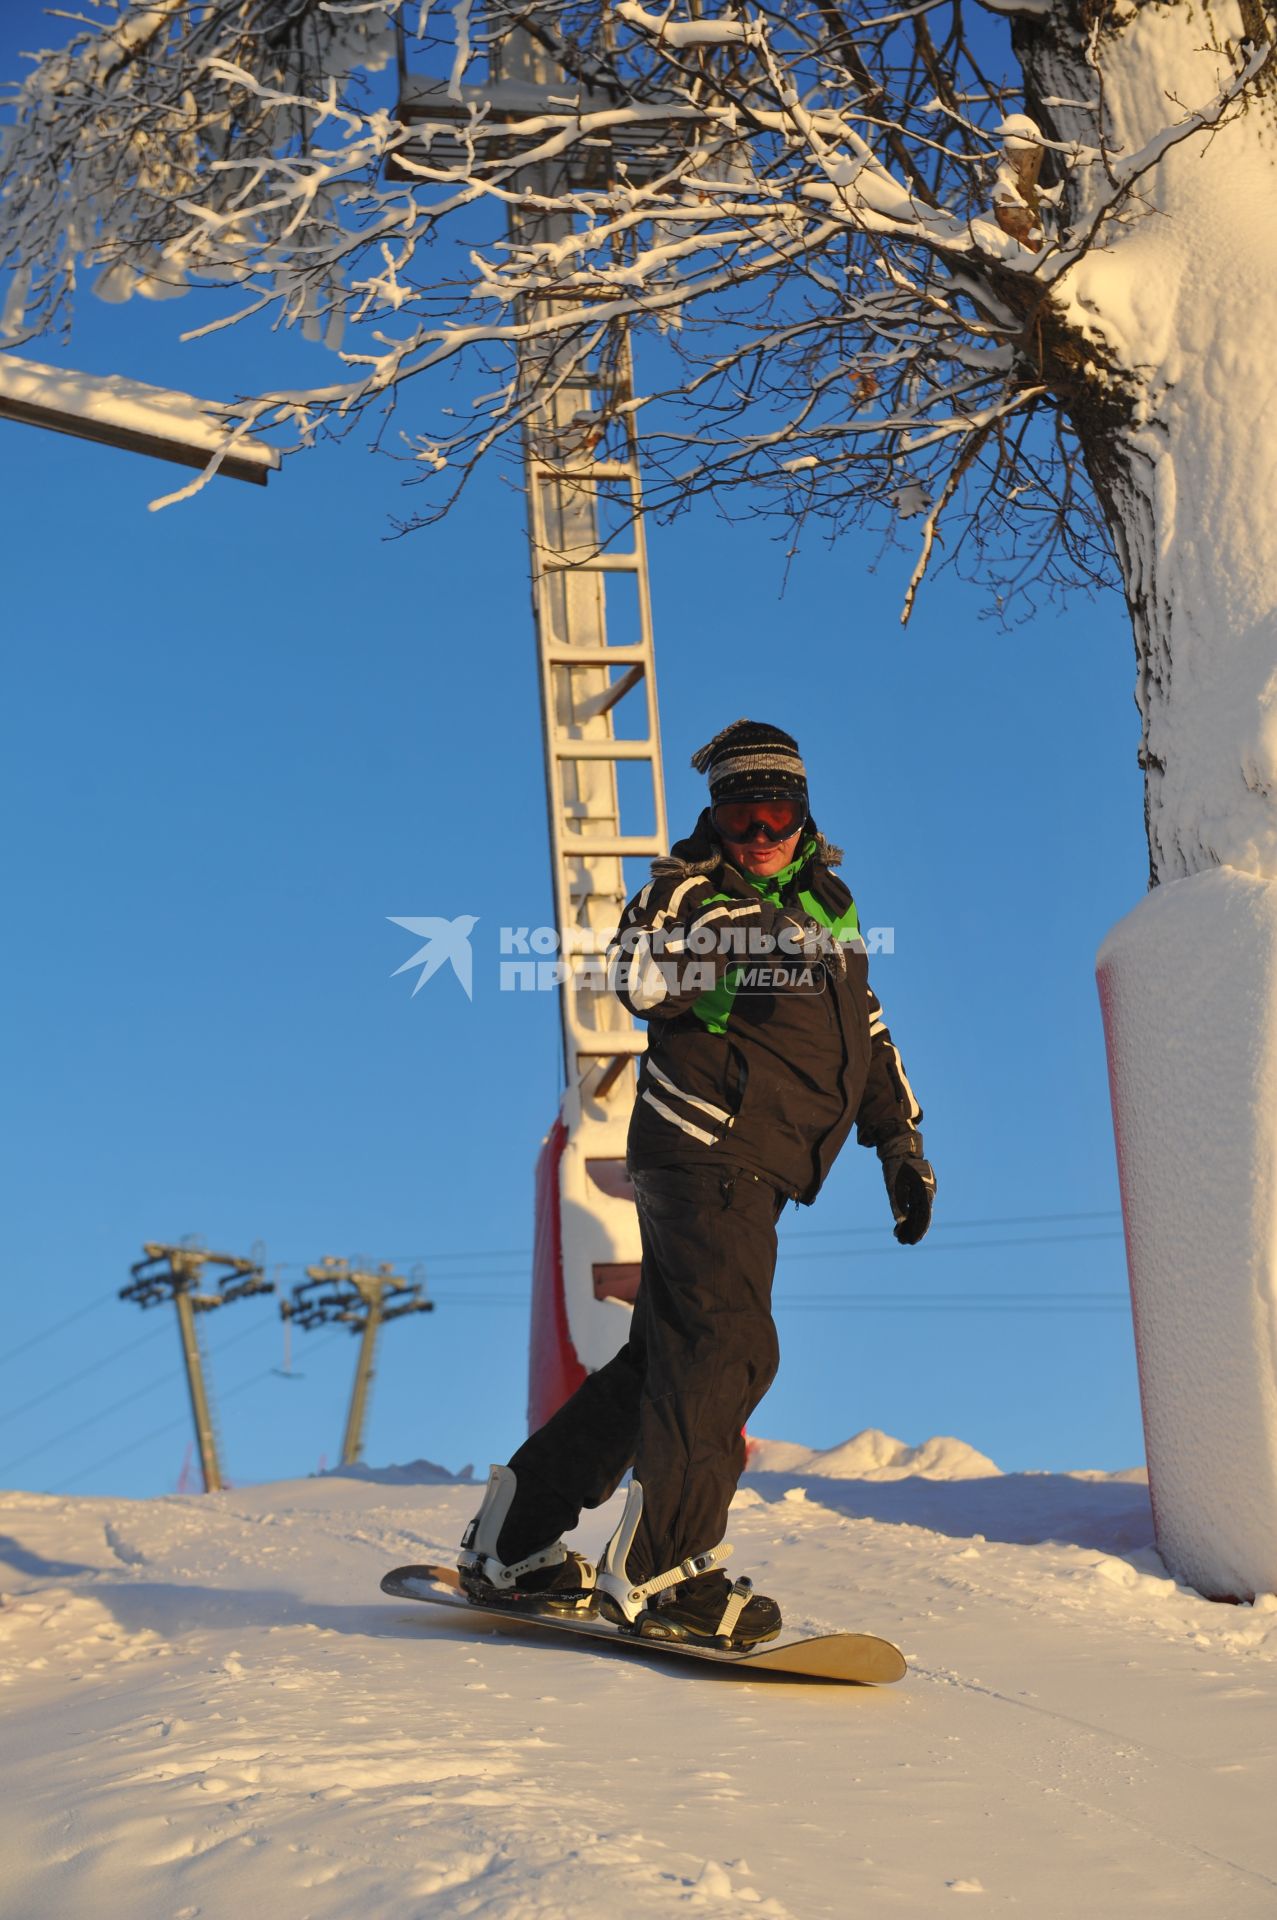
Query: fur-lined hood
[702,850]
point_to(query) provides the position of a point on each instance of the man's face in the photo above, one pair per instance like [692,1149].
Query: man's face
[762,856]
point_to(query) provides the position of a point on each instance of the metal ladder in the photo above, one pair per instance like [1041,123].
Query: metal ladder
[581,469]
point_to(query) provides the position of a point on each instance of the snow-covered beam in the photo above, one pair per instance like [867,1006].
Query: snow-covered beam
[125,413]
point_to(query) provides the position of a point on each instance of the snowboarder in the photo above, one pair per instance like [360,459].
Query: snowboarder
[766,1044]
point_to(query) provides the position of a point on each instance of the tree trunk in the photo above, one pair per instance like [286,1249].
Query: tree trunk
[1173,317]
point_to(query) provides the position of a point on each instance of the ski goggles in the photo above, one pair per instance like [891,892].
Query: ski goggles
[741,821]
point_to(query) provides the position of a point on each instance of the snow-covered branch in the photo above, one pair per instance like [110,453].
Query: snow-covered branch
[842,227]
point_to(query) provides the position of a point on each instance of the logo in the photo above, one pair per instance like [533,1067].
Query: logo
[800,957]
[445,940]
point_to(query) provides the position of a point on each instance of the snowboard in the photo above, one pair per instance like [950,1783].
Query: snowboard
[855,1659]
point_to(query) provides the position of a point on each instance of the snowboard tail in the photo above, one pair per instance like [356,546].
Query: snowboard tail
[854,1659]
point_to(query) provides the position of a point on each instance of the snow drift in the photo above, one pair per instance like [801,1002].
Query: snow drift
[873,1455]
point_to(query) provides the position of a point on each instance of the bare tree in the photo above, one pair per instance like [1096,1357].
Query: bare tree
[882,285]
[1021,301]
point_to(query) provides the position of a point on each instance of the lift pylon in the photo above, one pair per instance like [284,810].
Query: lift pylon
[363,1299]
[176,1273]
[592,613]
[592,608]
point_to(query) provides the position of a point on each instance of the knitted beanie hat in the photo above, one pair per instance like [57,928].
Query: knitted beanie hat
[751,761]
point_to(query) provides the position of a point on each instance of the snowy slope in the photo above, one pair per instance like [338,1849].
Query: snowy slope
[211,1711]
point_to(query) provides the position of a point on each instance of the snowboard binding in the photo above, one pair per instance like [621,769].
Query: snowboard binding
[552,1580]
[692,1603]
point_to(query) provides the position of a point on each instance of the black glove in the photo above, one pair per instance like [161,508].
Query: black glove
[911,1189]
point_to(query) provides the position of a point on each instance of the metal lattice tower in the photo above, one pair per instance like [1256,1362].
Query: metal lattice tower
[592,611]
[176,1273]
[581,467]
[363,1299]
[591,595]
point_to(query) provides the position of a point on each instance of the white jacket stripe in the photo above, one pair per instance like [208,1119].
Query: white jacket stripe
[706,1106]
[645,982]
[697,1133]
[915,1111]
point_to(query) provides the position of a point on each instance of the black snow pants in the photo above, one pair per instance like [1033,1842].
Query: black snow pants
[701,1354]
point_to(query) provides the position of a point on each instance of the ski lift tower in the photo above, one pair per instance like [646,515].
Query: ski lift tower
[364,1299]
[177,1273]
[605,791]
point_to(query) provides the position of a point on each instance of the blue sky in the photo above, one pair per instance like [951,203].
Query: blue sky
[241,733]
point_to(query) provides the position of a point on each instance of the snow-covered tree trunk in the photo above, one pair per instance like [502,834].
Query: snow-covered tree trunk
[1171,322]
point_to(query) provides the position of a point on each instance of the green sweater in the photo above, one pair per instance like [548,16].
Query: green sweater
[714,1008]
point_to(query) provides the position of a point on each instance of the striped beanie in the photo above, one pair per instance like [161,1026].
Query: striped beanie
[752,761]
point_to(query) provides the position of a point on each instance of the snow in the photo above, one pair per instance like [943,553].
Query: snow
[683,33]
[874,1455]
[1185,982]
[1019,134]
[212,1711]
[415,1473]
[1179,300]
[1179,295]
[111,400]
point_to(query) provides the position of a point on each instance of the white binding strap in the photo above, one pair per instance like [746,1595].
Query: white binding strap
[479,1541]
[613,1575]
[739,1598]
[496,1572]
[689,1569]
